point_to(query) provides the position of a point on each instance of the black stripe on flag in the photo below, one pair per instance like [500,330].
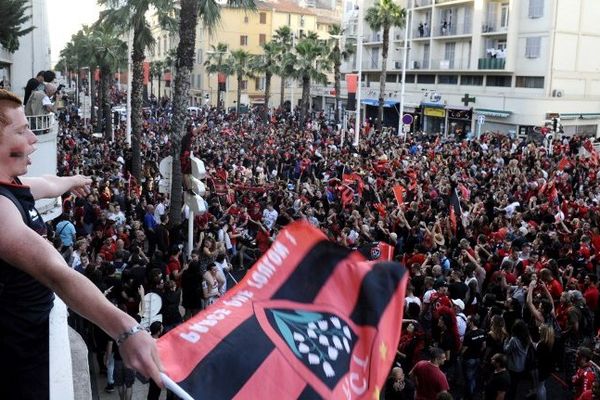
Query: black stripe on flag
[309,394]
[376,291]
[312,272]
[223,372]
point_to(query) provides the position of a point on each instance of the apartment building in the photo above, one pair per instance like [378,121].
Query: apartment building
[33,54]
[490,65]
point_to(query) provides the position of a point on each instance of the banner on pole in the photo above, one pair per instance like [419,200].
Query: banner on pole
[311,319]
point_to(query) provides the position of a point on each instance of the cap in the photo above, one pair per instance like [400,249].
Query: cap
[459,303]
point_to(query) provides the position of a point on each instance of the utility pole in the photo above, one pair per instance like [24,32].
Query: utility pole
[404,61]
[359,48]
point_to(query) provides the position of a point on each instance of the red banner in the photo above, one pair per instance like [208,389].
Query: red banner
[146,73]
[399,194]
[311,319]
[352,82]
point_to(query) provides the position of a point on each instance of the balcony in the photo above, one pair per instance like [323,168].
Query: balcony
[418,64]
[443,30]
[421,32]
[493,28]
[491,63]
[452,1]
[422,3]
[443,64]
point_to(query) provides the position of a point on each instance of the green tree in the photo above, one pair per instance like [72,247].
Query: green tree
[156,71]
[110,52]
[238,64]
[335,56]
[284,42]
[126,16]
[266,64]
[384,14]
[215,64]
[308,63]
[14,15]
[209,12]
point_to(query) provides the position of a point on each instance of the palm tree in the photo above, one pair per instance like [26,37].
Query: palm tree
[156,70]
[385,14]
[308,63]
[335,56]
[110,51]
[209,11]
[126,16]
[266,63]
[84,50]
[13,17]
[284,40]
[215,64]
[238,64]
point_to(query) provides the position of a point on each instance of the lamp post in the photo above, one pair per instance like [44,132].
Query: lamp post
[129,73]
[403,85]
[359,48]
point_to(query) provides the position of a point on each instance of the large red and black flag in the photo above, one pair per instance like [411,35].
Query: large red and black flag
[310,320]
[455,212]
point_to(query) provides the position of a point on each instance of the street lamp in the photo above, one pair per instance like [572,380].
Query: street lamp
[403,85]
[359,48]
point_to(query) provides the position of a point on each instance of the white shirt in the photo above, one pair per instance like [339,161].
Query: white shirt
[412,299]
[461,325]
[158,211]
[269,217]
[221,268]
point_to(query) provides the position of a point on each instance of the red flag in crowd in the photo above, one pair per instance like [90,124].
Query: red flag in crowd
[311,319]
[399,194]
[380,209]
[564,163]
[378,251]
[354,178]
[455,211]
[590,149]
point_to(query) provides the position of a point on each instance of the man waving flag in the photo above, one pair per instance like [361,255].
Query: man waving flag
[310,320]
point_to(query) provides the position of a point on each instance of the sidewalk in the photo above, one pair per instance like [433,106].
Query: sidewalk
[140,391]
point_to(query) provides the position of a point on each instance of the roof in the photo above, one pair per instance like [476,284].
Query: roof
[328,20]
[285,6]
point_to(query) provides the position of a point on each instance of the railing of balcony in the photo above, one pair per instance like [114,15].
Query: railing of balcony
[491,63]
[451,29]
[493,27]
[421,31]
[450,64]
[41,124]
[422,3]
[448,1]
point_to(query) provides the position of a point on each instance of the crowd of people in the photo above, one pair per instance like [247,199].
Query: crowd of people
[500,237]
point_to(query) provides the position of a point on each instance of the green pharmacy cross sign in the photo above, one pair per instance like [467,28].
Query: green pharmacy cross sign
[466,100]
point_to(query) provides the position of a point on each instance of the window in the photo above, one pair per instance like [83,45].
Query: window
[245,19]
[199,81]
[409,78]
[449,53]
[533,47]
[448,79]
[504,15]
[158,48]
[262,39]
[536,8]
[259,84]
[390,78]
[263,18]
[530,82]
[199,56]
[499,81]
[471,80]
[244,85]
[426,78]
[243,40]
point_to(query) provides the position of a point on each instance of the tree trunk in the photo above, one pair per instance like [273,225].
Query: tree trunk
[282,94]
[218,94]
[239,93]
[185,57]
[268,76]
[159,97]
[382,77]
[137,87]
[105,85]
[100,112]
[337,88]
[305,98]
[92,85]
[151,85]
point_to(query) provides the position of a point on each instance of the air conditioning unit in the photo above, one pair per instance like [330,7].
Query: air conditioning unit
[398,36]
[398,65]
[416,65]
[558,93]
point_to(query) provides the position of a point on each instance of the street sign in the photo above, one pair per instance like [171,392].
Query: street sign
[407,119]
[481,119]
[406,128]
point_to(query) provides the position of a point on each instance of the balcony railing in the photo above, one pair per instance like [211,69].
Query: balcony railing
[421,32]
[42,124]
[418,64]
[422,3]
[450,29]
[491,63]
[449,1]
[450,64]
[492,27]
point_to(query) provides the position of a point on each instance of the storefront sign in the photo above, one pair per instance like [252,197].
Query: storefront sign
[435,112]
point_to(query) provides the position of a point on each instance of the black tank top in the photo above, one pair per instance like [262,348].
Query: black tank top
[22,296]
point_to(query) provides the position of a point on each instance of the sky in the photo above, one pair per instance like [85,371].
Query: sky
[65,18]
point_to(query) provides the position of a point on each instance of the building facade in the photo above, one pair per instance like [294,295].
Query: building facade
[509,66]
[33,54]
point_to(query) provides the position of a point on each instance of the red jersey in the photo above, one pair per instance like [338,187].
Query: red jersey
[430,380]
[583,380]
[592,296]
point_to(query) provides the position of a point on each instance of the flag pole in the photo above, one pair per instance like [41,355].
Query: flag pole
[175,388]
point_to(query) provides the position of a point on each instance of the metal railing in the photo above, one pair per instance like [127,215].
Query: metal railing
[421,32]
[451,64]
[42,124]
[491,63]
[448,1]
[452,29]
[492,27]
[422,3]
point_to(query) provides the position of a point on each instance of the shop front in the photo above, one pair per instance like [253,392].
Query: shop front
[496,121]
[459,121]
[434,118]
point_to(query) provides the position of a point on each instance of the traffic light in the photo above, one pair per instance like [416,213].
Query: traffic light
[194,196]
